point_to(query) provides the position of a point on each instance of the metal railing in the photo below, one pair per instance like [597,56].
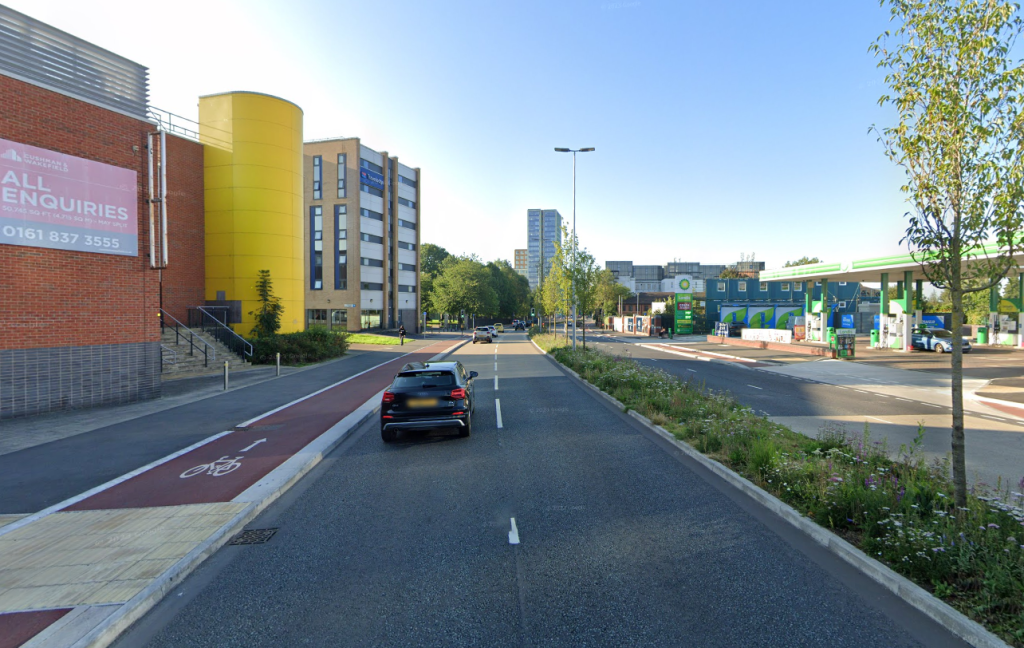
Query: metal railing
[182,332]
[202,319]
[174,356]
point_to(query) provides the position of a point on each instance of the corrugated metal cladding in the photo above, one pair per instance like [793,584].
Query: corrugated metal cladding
[35,52]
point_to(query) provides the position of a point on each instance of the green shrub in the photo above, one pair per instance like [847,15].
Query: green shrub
[303,347]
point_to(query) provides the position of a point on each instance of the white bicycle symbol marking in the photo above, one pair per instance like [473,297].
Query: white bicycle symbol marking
[222,466]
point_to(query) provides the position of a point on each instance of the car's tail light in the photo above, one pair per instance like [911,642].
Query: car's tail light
[457,413]
[388,397]
[458,394]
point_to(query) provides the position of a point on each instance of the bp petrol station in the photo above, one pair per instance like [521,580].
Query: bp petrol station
[899,316]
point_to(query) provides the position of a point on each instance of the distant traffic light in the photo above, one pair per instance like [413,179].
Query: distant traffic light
[532,313]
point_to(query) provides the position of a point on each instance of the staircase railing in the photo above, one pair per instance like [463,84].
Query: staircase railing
[207,322]
[182,332]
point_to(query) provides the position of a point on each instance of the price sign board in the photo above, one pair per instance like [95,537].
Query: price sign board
[684,314]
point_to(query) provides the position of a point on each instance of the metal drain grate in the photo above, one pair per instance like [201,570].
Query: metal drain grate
[253,536]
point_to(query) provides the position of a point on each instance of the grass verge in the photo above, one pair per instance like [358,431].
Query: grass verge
[894,506]
[369,338]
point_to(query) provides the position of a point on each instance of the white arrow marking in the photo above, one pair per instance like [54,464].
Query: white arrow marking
[254,444]
[513,535]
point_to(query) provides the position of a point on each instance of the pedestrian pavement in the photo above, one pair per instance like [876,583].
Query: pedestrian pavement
[80,572]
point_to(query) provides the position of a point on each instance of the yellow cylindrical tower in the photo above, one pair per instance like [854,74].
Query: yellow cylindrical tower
[253,176]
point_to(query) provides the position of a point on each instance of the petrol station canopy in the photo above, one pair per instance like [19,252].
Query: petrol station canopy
[870,270]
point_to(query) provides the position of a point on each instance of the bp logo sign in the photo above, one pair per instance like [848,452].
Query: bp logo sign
[684,284]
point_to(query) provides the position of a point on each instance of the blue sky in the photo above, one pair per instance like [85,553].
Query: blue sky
[720,128]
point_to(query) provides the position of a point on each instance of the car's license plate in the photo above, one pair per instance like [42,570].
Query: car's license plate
[421,402]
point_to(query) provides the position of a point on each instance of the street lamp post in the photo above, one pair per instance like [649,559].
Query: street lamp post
[574,152]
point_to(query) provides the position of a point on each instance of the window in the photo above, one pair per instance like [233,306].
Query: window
[340,248]
[366,164]
[406,246]
[798,286]
[371,190]
[721,286]
[763,286]
[366,285]
[408,267]
[842,283]
[316,248]
[316,317]
[406,289]
[318,172]
[339,319]
[341,175]
[370,238]
[370,319]
[407,203]
[785,285]
[741,286]
[373,263]
[369,213]
[405,223]
[406,181]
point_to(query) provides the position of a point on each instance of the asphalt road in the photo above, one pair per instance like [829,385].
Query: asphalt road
[41,476]
[994,441]
[623,541]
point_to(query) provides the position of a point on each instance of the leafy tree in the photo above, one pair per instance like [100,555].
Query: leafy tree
[464,285]
[268,313]
[431,257]
[584,274]
[975,306]
[609,291]
[511,288]
[557,286]
[802,261]
[731,273]
[959,139]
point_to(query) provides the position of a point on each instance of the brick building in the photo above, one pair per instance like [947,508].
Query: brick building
[82,277]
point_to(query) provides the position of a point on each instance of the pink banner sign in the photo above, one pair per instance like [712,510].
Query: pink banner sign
[59,201]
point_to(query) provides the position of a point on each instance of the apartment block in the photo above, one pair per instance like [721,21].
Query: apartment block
[362,234]
[520,262]
[544,231]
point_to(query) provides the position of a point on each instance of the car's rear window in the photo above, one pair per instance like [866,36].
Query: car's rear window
[483,329]
[425,379]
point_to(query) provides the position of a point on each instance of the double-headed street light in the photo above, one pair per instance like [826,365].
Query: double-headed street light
[574,152]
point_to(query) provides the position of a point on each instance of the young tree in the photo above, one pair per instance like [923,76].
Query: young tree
[557,286]
[584,279]
[268,313]
[959,139]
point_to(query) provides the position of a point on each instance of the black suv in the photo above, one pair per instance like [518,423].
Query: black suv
[427,395]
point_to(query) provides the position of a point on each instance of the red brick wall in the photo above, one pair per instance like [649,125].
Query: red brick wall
[184,279]
[51,298]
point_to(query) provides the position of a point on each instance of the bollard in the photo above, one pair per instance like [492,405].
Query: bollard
[225,375]
[279,364]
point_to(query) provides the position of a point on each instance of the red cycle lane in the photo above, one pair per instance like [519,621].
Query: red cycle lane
[18,627]
[225,467]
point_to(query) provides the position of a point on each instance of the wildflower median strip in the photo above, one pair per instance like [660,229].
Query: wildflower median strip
[893,506]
